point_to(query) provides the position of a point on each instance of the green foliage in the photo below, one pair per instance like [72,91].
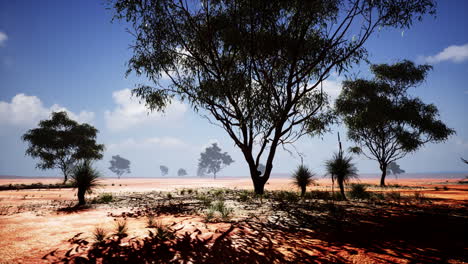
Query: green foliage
[151,221]
[60,142]
[383,119]
[359,191]
[104,198]
[285,196]
[244,196]
[119,165]
[341,169]
[303,177]
[218,207]
[265,91]
[85,178]
[320,195]
[205,199]
[393,196]
[212,160]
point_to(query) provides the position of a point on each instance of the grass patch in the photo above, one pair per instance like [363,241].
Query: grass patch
[36,185]
[104,198]
[359,191]
[121,228]
[99,235]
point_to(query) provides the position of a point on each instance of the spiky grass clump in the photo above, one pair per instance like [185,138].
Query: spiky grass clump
[121,228]
[151,221]
[302,178]
[85,178]
[341,169]
[99,234]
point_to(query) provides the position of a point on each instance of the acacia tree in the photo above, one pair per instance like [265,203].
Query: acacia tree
[119,165]
[383,120]
[255,67]
[212,160]
[181,172]
[394,168]
[164,170]
[60,143]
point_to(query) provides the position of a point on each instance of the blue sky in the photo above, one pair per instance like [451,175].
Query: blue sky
[68,55]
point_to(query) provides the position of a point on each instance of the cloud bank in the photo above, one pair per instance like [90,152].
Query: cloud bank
[25,110]
[3,38]
[452,53]
[130,113]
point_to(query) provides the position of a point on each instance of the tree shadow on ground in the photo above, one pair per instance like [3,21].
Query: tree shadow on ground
[300,233]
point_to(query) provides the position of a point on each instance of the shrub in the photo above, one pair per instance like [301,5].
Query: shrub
[436,188]
[302,178]
[103,199]
[420,197]
[285,196]
[445,188]
[205,199]
[209,215]
[359,191]
[244,196]
[121,228]
[85,179]
[221,208]
[99,235]
[169,196]
[321,195]
[151,221]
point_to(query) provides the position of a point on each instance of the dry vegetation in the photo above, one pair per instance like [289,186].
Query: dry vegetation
[398,224]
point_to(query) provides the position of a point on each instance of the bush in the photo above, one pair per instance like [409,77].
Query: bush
[204,199]
[244,196]
[218,207]
[445,188]
[420,197]
[285,196]
[359,191]
[151,221]
[121,228]
[99,235]
[104,198]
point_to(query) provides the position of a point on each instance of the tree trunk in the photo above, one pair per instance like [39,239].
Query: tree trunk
[303,191]
[214,175]
[81,197]
[341,184]
[383,168]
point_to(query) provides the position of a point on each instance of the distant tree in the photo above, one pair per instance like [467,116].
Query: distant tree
[383,120]
[302,178]
[256,67]
[181,172]
[119,165]
[212,160]
[261,168]
[60,142]
[394,168]
[341,169]
[464,160]
[201,171]
[85,179]
[164,170]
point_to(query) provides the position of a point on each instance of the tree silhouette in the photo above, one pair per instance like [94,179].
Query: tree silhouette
[164,170]
[383,120]
[302,178]
[341,169]
[181,172]
[255,66]
[394,168]
[464,160]
[119,165]
[85,179]
[60,142]
[212,160]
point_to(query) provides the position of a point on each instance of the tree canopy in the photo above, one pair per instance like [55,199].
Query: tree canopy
[394,168]
[181,172]
[60,142]
[383,120]
[119,165]
[212,160]
[255,68]
[164,170]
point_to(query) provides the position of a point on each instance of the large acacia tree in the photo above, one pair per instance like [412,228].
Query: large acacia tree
[386,122]
[60,142]
[254,67]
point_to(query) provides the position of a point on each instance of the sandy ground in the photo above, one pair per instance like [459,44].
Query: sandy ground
[36,229]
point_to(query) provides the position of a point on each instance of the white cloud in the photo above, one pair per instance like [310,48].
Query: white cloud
[148,143]
[130,113]
[28,110]
[452,53]
[3,38]
[332,88]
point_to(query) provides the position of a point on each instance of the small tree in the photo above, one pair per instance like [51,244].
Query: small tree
[394,168]
[383,120]
[213,160]
[60,142]
[181,172]
[164,170]
[85,179]
[341,169]
[255,67]
[119,165]
[302,178]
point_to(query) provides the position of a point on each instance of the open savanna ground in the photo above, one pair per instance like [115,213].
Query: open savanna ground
[201,220]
